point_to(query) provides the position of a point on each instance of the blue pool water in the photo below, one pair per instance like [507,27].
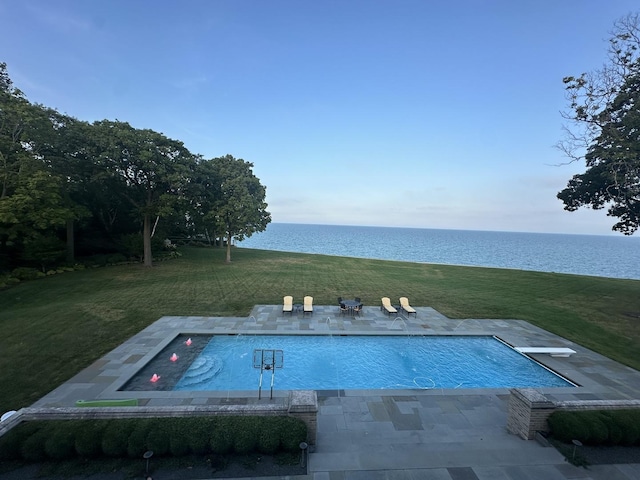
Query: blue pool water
[366,362]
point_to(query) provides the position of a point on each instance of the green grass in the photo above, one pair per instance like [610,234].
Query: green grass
[53,327]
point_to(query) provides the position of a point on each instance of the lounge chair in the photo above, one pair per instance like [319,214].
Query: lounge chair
[404,305]
[287,304]
[386,305]
[308,305]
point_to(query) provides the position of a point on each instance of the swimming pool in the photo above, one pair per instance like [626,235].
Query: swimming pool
[326,362]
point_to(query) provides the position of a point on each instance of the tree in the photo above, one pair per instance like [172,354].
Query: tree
[604,112]
[152,168]
[32,197]
[239,208]
[59,141]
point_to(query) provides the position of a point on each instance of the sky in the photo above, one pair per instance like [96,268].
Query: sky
[400,113]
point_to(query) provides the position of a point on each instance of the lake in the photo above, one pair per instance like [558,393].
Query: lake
[595,255]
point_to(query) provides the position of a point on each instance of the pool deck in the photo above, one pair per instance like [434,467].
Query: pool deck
[439,434]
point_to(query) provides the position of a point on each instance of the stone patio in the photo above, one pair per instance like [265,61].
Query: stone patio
[386,434]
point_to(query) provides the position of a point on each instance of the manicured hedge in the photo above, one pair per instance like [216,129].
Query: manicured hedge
[597,427]
[58,440]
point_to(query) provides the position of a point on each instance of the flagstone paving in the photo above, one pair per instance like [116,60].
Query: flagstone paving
[386,434]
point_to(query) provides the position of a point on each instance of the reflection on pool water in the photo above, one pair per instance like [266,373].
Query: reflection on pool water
[326,362]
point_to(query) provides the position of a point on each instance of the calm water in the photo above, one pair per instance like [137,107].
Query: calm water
[597,255]
[365,362]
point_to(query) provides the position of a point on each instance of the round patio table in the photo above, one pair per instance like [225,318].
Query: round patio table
[350,304]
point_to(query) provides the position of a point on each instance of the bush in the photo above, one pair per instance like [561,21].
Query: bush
[32,449]
[199,429]
[26,273]
[116,258]
[116,437]
[220,437]
[96,261]
[596,424]
[137,443]
[629,422]
[292,433]
[37,441]
[179,439]
[245,435]
[158,438]
[566,426]
[89,438]
[597,427]
[61,444]
[11,442]
[268,438]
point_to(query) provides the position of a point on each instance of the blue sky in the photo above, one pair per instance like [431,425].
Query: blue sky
[389,113]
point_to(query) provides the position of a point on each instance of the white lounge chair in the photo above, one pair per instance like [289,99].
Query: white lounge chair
[404,305]
[386,305]
[308,305]
[287,304]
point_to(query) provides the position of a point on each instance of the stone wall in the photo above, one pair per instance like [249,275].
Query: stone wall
[301,404]
[530,409]
[528,412]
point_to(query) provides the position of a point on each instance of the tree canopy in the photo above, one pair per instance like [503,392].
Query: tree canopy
[239,209]
[109,188]
[604,131]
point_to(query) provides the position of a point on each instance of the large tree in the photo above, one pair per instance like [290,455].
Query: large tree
[33,200]
[239,208]
[153,169]
[604,131]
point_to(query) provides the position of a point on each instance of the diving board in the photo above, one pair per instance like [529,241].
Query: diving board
[553,351]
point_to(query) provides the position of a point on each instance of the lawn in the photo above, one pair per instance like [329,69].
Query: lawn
[54,327]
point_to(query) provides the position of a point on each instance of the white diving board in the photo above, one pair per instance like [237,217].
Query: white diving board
[553,351]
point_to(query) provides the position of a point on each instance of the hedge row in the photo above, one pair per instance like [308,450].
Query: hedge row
[65,439]
[597,427]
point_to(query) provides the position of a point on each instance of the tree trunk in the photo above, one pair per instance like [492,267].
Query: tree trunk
[146,239]
[228,260]
[71,254]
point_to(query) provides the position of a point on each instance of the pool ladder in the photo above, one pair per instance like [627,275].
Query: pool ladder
[267,360]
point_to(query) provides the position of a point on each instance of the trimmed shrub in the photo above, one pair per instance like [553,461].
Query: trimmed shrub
[11,442]
[26,273]
[597,427]
[567,426]
[159,436]
[629,421]
[221,436]
[61,442]
[615,429]
[245,435]
[116,437]
[37,441]
[292,432]
[179,438]
[137,443]
[89,438]
[199,429]
[32,449]
[268,437]
[598,430]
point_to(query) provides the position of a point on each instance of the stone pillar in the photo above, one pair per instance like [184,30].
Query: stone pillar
[528,412]
[303,404]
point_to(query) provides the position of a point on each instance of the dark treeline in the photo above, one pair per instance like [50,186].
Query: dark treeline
[70,189]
